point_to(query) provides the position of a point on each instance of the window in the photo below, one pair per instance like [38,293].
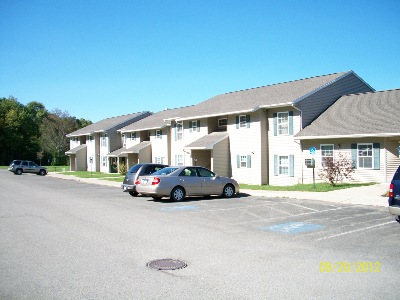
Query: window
[242,121]
[243,161]
[158,160]
[283,165]
[179,160]
[283,123]
[133,136]
[179,130]
[205,173]
[194,126]
[90,138]
[365,156]
[158,134]
[222,122]
[326,154]
[104,160]
[104,140]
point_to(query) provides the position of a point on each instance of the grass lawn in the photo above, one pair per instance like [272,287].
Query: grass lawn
[319,187]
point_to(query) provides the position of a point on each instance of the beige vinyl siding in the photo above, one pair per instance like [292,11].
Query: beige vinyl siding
[160,145]
[246,141]
[388,161]
[284,145]
[313,105]
[177,146]
[391,158]
[221,160]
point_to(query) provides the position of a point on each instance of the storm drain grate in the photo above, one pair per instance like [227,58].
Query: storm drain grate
[166,264]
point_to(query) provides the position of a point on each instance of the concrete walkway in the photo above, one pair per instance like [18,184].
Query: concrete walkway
[365,195]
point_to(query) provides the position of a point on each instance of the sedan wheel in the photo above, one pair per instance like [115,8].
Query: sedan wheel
[133,194]
[229,191]
[178,194]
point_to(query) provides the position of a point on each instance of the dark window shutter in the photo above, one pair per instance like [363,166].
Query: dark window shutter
[248,121]
[190,126]
[237,122]
[354,155]
[160,133]
[249,161]
[376,147]
[276,165]
[275,116]
[238,161]
[291,165]
[198,125]
[290,122]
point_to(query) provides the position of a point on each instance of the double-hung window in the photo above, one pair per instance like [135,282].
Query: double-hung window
[222,123]
[283,123]
[158,134]
[326,154]
[133,136]
[103,140]
[179,160]
[179,130]
[283,165]
[365,156]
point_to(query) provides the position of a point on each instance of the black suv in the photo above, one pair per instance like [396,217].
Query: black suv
[133,174]
[394,195]
[25,166]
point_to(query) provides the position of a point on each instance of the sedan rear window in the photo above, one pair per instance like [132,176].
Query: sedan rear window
[135,168]
[165,171]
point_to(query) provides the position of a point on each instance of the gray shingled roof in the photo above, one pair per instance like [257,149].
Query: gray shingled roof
[208,141]
[105,124]
[357,115]
[157,120]
[134,149]
[284,93]
[76,149]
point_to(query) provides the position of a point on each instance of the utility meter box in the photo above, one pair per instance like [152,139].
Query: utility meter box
[310,162]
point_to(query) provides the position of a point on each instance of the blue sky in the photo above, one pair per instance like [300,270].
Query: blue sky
[98,59]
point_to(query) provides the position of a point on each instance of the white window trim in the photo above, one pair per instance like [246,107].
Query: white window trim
[179,130]
[194,126]
[179,160]
[372,156]
[278,125]
[286,166]
[242,124]
[324,156]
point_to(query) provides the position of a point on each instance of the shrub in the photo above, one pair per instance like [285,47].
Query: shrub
[336,169]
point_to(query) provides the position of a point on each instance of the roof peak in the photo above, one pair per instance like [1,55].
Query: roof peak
[290,81]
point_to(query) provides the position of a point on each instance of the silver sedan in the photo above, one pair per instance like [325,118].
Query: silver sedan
[179,182]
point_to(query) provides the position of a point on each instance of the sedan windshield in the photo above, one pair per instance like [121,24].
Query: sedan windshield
[165,171]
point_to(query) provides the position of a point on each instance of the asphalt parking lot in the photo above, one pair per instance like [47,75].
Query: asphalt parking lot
[63,239]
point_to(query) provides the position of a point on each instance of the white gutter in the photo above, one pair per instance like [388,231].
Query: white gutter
[324,137]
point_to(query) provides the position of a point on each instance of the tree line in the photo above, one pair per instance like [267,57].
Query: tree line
[32,132]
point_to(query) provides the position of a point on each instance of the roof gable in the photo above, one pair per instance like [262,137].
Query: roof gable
[157,120]
[280,94]
[365,114]
[107,124]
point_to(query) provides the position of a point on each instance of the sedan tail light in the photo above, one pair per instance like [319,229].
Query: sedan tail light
[391,190]
[155,181]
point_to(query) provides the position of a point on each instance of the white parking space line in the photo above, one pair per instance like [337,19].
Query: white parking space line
[298,205]
[353,231]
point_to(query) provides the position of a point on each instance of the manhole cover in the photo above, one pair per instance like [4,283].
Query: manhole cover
[166,264]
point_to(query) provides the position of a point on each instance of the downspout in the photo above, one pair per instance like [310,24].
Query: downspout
[300,144]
